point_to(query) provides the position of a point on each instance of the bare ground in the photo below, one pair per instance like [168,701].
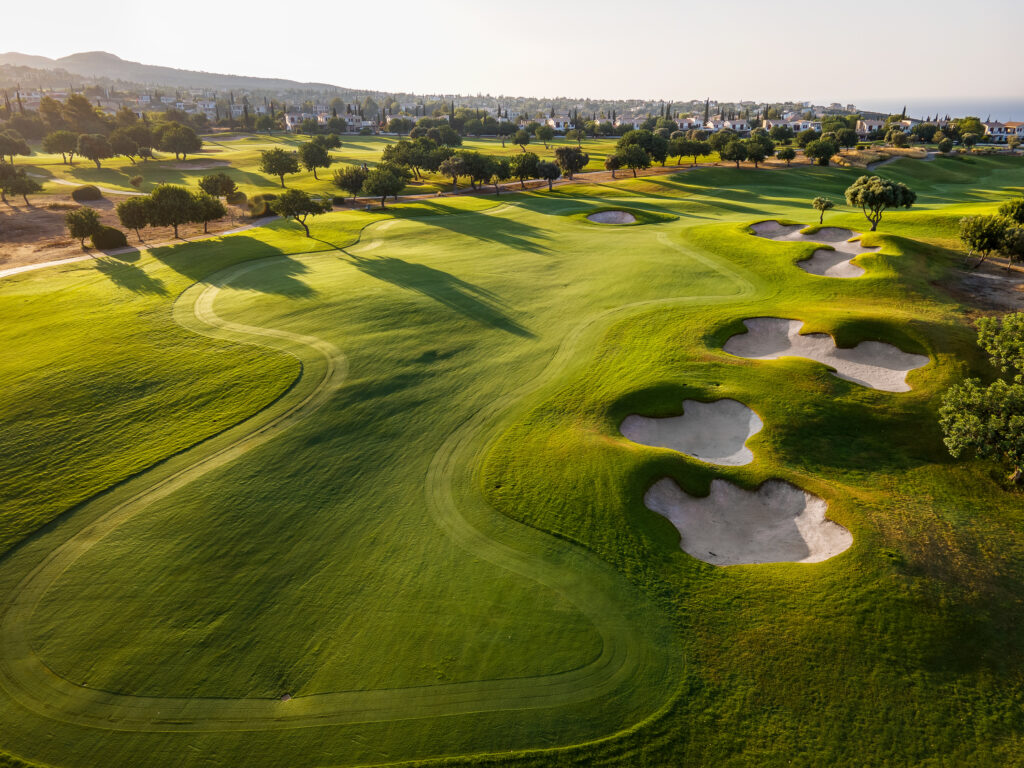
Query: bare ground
[34,233]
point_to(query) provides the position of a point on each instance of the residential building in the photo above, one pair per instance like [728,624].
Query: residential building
[995,132]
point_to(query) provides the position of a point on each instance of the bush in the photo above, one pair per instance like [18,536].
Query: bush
[108,238]
[236,198]
[339,199]
[365,132]
[86,193]
[259,205]
[136,181]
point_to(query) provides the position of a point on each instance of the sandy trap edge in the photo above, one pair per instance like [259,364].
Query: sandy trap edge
[833,261]
[732,526]
[612,217]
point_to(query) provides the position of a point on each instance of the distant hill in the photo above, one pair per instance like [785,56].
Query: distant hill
[103,65]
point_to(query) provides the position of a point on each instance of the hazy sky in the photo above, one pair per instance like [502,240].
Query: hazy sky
[867,52]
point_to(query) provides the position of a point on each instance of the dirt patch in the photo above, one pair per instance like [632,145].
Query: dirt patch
[836,261]
[989,287]
[612,217]
[731,526]
[34,234]
[714,432]
[871,363]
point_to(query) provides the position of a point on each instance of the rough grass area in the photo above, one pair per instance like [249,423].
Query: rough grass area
[379,474]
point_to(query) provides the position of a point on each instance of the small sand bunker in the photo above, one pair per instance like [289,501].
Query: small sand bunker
[612,217]
[714,432]
[871,363]
[777,523]
[824,262]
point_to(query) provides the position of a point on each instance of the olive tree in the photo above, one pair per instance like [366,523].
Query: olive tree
[571,160]
[874,195]
[612,163]
[350,179]
[63,143]
[82,223]
[786,153]
[382,182]
[95,147]
[982,235]
[171,206]
[549,172]
[988,421]
[822,204]
[299,206]
[524,167]
[313,155]
[133,213]
[634,157]
[278,162]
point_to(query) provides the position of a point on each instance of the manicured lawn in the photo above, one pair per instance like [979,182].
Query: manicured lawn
[379,473]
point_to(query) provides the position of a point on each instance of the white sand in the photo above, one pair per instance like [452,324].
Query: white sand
[612,217]
[870,363]
[776,523]
[714,432]
[825,262]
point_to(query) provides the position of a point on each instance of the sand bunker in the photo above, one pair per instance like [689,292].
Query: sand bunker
[714,432]
[823,262]
[612,217]
[870,363]
[776,523]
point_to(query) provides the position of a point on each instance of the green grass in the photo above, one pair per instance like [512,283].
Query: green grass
[408,506]
[241,158]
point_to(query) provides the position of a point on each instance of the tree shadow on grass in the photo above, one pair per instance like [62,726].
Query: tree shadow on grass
[470,300]
[496,229]
[202,261]
[130,276]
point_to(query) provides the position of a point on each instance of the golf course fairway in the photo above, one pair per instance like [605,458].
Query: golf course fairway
[362,498]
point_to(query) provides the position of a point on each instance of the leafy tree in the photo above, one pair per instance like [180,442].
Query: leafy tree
[634,157]
[970,124]
[781,133]
[847,137]
[64,143]
[180,139]
[1013,142]
[82,223]
[381,182]
[576,135]
[1013,210]
[982,235]
[400,125]
[696,148]
[298,205]
[11,144]
[924,131]
[733,152]
[524,167]
[207,208]
[989,421]
[170,206]
[444,135]
[945,146]
[571,160]
[7,173]
[501,170]
[521,139]
[478,167]
[350,179]
[278,162]
[133,213]
[756,151]
[95,147]
[806,137]
[549,172]
[822,204]
[873,195]
[969,139]
[265,123]
[545,133]
[123,143]
[314,155]
[612,163]
[786,153]
[821,150]
[453,166]
[20,183]
[217,185]
[896,138]
[719,139]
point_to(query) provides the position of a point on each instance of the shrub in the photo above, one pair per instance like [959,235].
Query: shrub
[86,193]
[365,132]
[109,238]
[236,198]
[259,205]
[136,181]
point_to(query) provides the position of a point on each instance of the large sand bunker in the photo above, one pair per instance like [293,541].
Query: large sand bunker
[824,262]
[612,217]
[871,363]
[776,523]
[714,432]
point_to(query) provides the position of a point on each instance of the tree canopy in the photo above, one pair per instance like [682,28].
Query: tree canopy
[278,162]
[874,195]
[299,206]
